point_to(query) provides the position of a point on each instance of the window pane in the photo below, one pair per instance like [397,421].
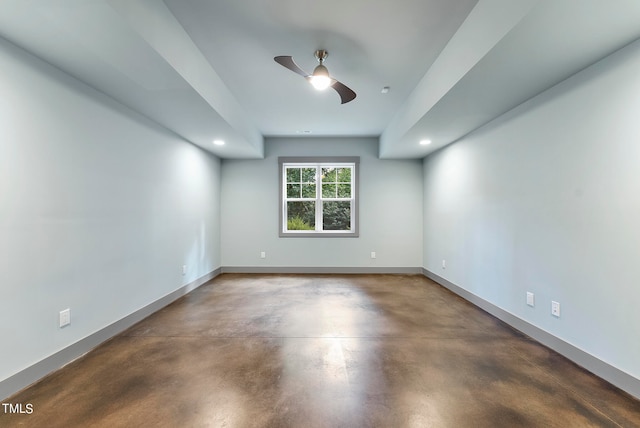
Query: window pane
[344,190]
[336,215]
[329,175]
[344,175]
[301,215]
[308,175]
[328,190]
[308,190]
[293,190]
[293,175]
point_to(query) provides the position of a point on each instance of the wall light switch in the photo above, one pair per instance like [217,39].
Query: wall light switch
[530,299]
[373,254]
[263,255]
[184,269]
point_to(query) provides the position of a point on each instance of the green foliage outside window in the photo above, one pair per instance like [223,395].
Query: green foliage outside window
[296,223]
[336,215]
[302,215]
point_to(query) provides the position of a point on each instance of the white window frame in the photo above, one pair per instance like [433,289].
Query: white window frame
[319,163]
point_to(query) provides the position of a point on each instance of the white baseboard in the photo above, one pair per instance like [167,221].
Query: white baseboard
[611,374]
[61,358]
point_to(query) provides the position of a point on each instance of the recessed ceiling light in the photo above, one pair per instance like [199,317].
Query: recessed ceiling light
[385,90]
[218,142]
[425,142]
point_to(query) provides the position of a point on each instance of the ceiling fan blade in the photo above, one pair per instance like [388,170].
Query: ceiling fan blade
[346,94]
[287,61]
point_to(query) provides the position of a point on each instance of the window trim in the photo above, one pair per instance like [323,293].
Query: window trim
[316,160]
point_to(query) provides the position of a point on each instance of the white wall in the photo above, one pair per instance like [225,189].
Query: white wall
[99,210]
[547,199]
[390,210]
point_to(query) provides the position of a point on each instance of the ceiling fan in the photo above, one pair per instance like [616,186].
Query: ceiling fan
[320,78]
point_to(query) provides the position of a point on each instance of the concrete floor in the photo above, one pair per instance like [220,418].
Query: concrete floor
[322,351]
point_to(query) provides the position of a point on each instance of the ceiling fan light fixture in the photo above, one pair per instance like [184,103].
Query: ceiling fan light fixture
[320,78]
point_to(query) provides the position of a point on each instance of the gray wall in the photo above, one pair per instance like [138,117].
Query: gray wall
[99,210]
[547,199]
[390,210]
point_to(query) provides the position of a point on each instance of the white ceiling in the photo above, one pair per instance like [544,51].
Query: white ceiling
[204,68]
[371,44]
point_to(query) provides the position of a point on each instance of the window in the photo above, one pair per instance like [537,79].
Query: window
[319,197]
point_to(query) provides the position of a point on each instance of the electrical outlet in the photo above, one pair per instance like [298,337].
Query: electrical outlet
[530,299]
[373,254]
[184,269]
[64,318]
[263,255]
[555,309]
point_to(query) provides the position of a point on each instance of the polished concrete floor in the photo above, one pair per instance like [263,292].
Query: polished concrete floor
[322,351]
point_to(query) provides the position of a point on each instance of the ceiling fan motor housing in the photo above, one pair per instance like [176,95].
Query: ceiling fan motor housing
[321,55]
